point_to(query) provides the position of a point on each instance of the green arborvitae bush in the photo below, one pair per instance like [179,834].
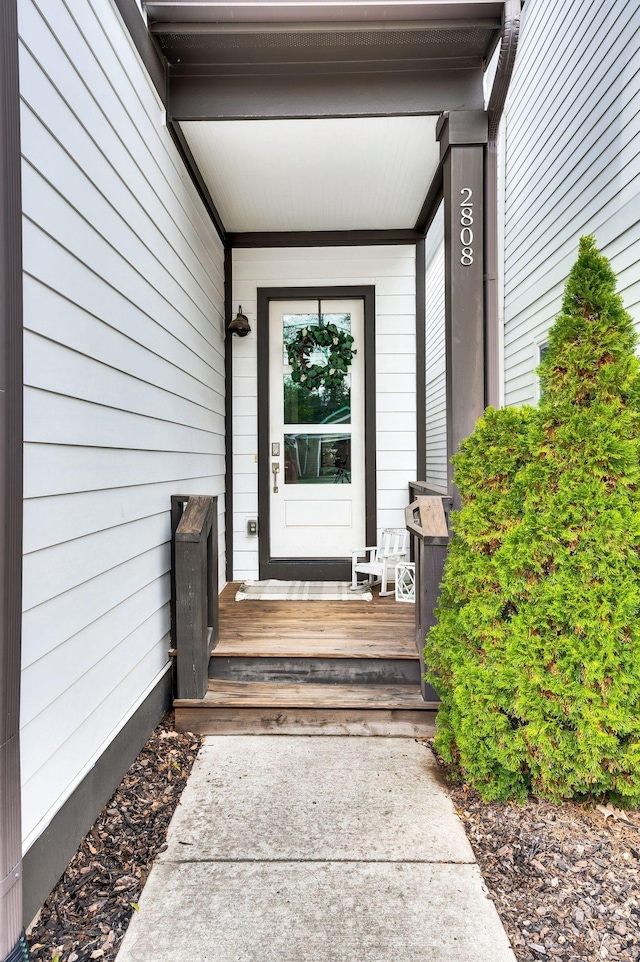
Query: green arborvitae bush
[536,654]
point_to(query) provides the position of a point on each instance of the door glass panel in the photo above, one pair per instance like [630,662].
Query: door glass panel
[317,459]
[320,405]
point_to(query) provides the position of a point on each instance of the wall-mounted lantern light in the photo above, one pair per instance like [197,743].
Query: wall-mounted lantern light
[240,324]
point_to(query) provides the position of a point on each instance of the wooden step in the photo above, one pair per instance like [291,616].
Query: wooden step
[317,669]
[262,708]
[226,694]
[336,643]
[382,628]
[318,643]
[312,667]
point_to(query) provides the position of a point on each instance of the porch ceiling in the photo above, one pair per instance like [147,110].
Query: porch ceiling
[316,175]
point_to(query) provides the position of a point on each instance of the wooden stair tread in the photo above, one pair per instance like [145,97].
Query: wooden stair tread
[238,694]
[299,610]
[382,628]
[325,646]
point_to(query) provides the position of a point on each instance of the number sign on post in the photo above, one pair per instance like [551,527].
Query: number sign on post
[466,227]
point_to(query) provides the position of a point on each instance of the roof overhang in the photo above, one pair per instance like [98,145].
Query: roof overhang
[324,61]
[257,60]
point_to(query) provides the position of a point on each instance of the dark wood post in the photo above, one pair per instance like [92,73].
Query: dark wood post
[213,610]
[195,594]
[427,518]
[462,135]
[431,554]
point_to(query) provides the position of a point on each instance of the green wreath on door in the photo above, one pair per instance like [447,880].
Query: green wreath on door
[329,375]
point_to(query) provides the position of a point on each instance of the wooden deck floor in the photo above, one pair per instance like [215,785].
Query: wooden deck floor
[382,628]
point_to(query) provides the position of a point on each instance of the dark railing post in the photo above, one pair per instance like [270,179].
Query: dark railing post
[212,583]
[194,595]
[427,519]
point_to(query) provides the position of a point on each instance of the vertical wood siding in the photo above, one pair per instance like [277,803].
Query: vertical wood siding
[572,165]
[124,384]
[436,388]
[392,271]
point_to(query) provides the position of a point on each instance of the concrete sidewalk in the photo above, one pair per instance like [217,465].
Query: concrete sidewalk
[315,849]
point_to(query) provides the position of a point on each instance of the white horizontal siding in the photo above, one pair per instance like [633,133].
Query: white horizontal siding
[571,165]
[392,271]
[436,400]
[124,384]
[91,706]
[52,623]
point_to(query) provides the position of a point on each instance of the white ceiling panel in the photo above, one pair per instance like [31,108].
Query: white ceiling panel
[334,174]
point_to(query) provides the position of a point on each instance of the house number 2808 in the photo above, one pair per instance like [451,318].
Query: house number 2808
[466,227]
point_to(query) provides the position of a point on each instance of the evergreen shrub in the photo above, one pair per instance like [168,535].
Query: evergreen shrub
[536,653]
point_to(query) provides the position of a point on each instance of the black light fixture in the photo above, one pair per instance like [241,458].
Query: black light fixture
[240,324]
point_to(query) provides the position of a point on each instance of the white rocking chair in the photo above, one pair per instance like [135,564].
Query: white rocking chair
[380,559]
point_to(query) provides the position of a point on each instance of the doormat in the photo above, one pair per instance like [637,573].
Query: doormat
[273,590]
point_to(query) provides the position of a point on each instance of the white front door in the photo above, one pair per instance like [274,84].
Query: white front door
[317,502]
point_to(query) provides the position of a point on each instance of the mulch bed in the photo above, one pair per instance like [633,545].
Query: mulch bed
[88,912]
[565,879]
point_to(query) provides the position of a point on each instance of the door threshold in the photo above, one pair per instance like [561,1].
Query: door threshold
[307,569]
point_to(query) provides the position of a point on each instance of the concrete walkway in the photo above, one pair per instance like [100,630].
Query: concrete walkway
[315,849]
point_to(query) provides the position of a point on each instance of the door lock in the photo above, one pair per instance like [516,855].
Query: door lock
[275,468]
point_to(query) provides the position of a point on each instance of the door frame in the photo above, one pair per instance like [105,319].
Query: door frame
[313,569]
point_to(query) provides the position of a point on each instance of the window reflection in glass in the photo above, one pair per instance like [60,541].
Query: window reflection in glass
[319,405]
[317,459]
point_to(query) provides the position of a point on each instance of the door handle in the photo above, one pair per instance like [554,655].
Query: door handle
[275,468]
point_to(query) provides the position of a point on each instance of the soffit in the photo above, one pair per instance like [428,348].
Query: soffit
[312,175]
[423,45]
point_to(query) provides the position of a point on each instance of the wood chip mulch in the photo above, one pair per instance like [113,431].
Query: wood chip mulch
[565,879]
[88,912]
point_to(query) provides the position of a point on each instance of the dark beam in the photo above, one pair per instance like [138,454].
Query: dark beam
[303,93]
[214,28]
[194,11]
[197,178]
[302,68]
[323,238]
[431,202]
[462,127]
